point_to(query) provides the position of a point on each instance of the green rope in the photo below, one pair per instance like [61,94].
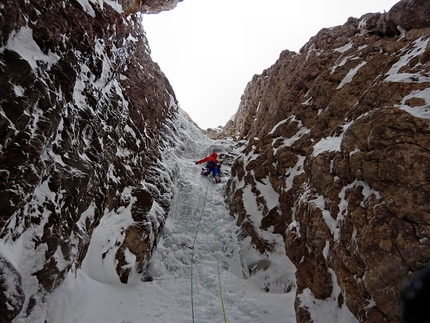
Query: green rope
[217,265]
[219,280]
[192,251]
[216,256]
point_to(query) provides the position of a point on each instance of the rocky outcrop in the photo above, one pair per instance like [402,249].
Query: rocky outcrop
[11,291]
[339,136]
[82,119]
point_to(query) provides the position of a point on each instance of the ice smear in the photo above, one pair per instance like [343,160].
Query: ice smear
[343,62]
[348,78]
[328,310]
[87,7]
[302,130]
[417,111]
[330,143]
[331,223]
[344,48]
[22,42]
[394,74]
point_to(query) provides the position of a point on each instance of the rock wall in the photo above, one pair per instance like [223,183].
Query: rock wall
[82,120]
[341,133]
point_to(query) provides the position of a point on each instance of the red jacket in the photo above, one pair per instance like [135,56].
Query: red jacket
[209,158]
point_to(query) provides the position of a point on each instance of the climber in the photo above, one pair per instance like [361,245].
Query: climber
[211,166]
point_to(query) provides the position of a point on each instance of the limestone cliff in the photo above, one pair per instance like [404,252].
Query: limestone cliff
[82,120]
[340,132]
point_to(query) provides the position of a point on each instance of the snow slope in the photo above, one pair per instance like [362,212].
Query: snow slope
[163,293]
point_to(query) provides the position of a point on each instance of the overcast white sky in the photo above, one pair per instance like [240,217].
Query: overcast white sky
[209,50]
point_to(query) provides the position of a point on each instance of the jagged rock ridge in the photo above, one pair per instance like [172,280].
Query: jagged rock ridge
[83,113]
[340,132]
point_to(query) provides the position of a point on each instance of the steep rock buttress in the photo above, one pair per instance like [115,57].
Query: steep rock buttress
[340,132]
[83,111]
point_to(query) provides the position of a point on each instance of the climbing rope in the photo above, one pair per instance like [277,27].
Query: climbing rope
[217,266]
[192,250]
[219,279]
[216,256]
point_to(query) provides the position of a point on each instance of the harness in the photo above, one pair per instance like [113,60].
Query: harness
[211,164]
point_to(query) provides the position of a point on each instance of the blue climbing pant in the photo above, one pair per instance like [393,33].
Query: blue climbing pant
[211,169]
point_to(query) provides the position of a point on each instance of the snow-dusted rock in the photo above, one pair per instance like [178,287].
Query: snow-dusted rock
[11,291]
[336,159]
[84,112]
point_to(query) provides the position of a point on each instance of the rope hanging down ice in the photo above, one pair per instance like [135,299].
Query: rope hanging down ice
[219,274]
[217,260]
[192,250]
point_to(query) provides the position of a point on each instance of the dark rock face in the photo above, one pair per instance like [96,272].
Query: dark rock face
[340,131]
[83,111]
[11,292]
